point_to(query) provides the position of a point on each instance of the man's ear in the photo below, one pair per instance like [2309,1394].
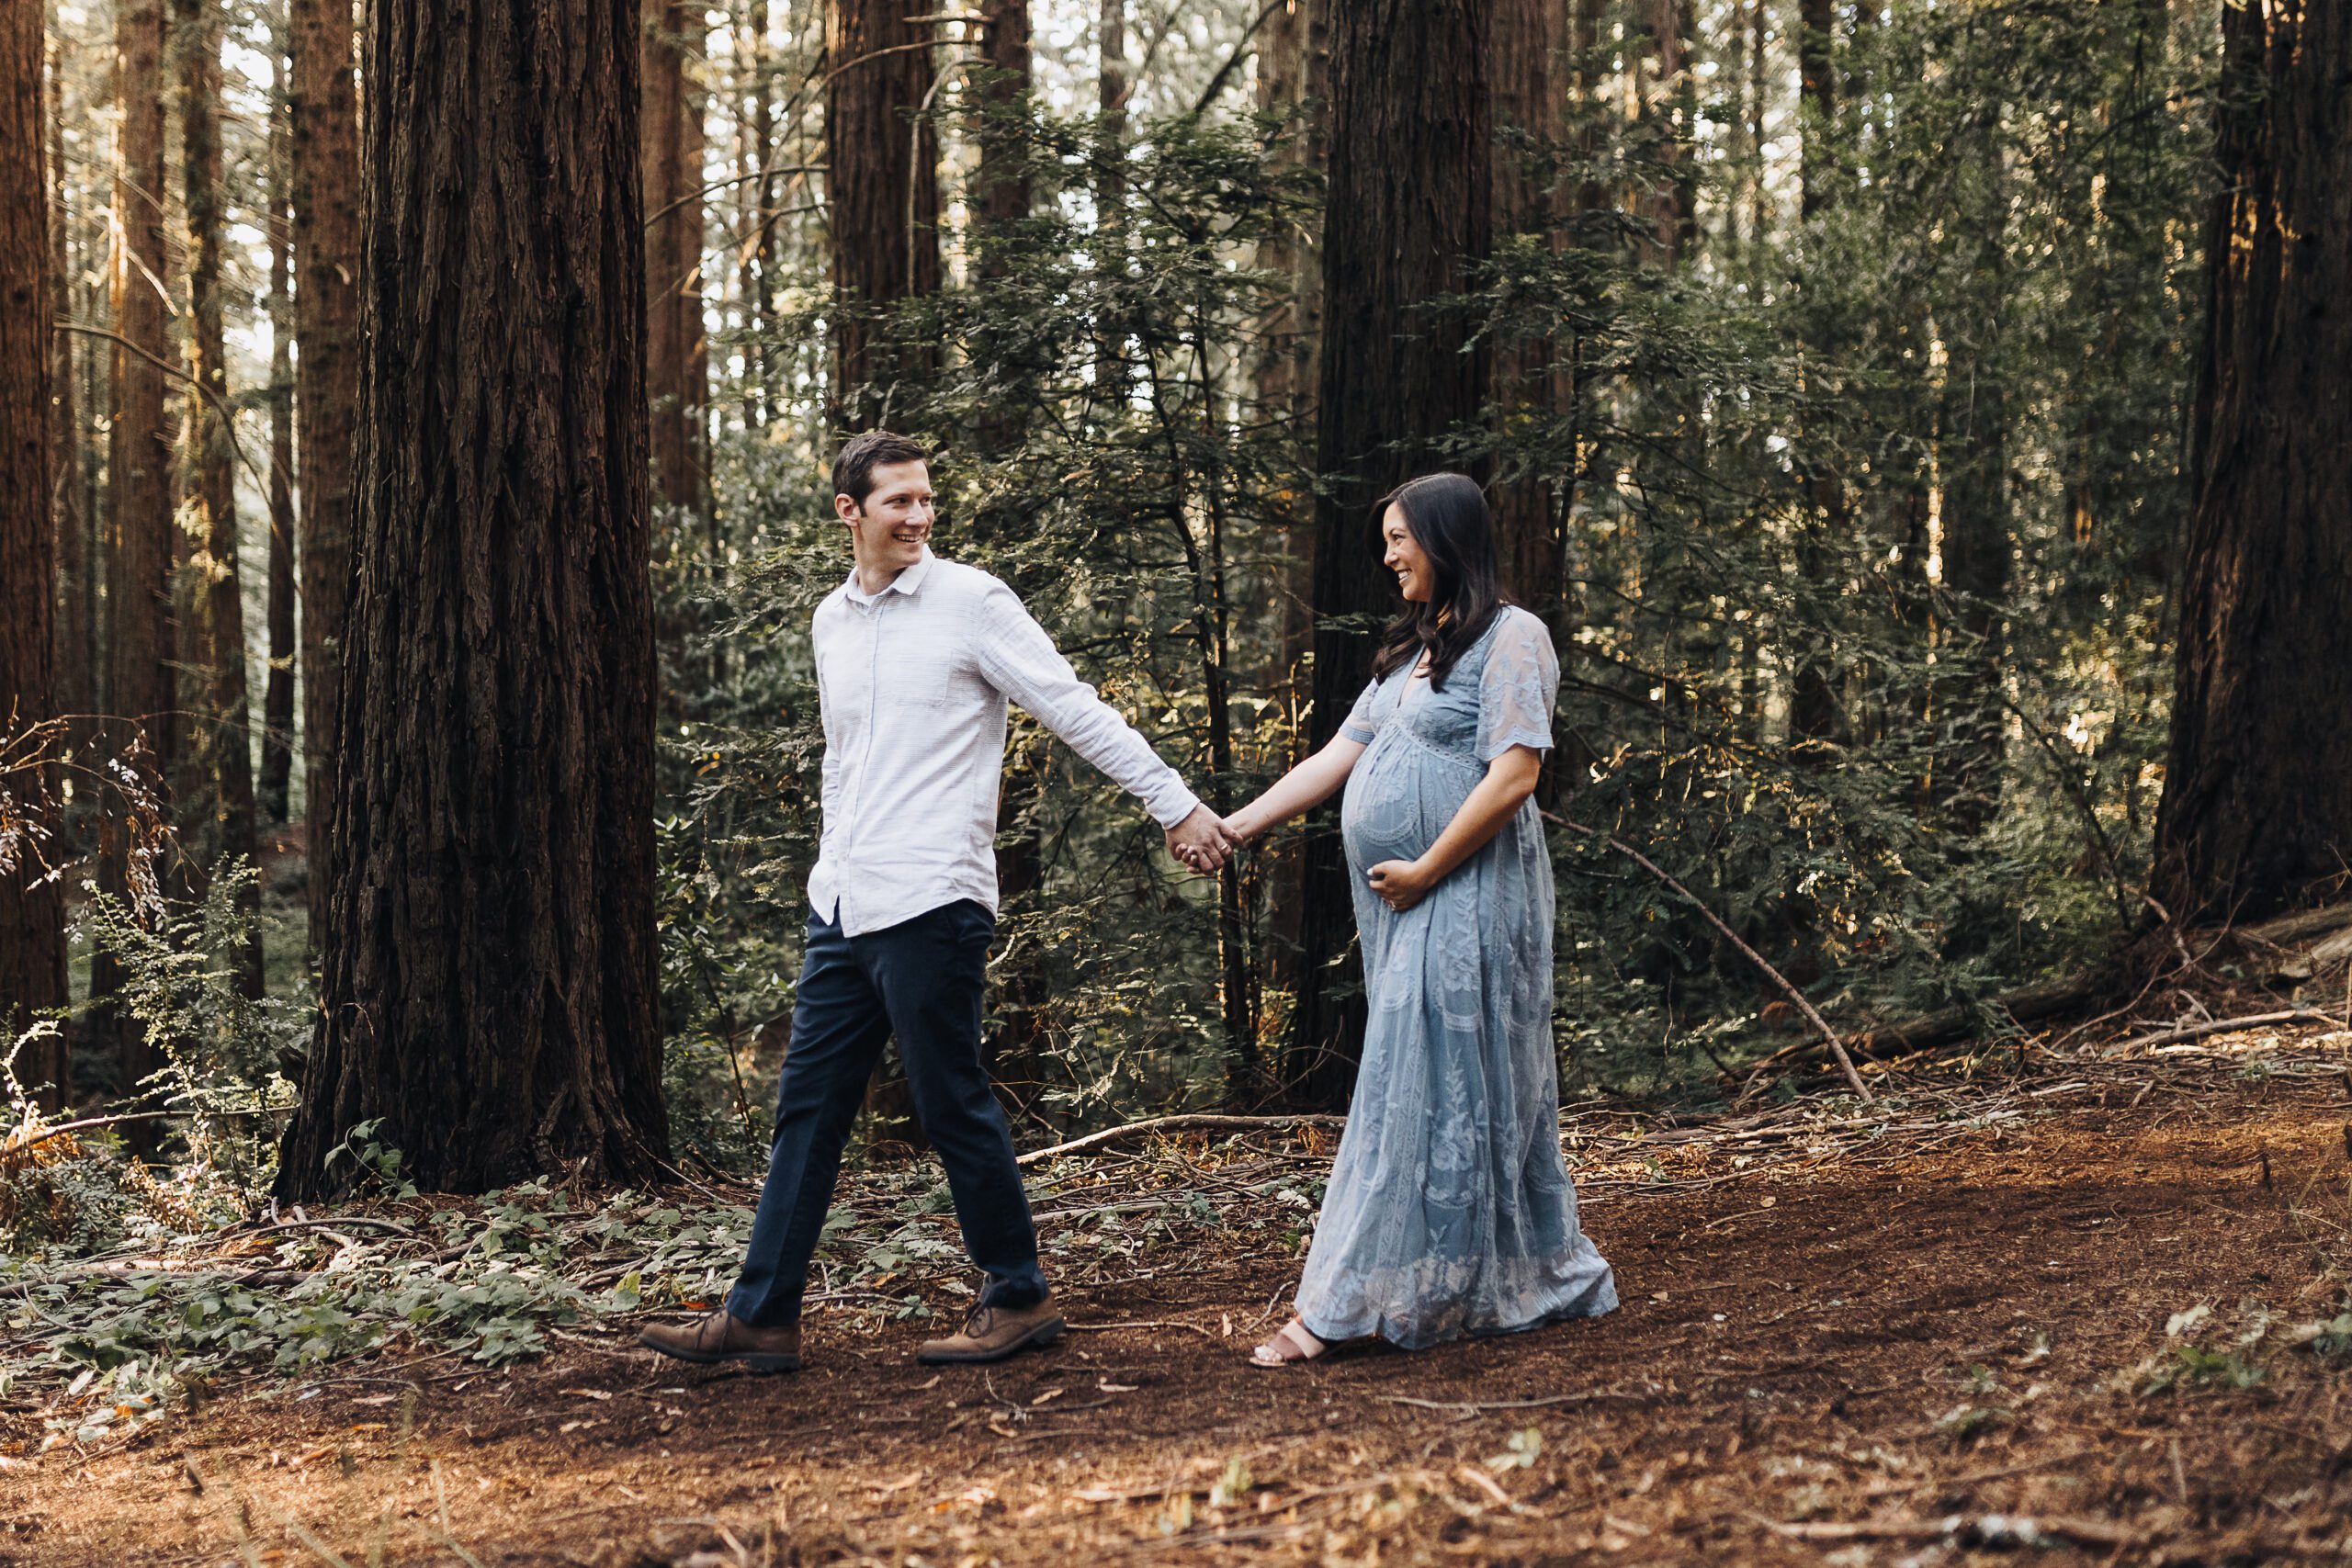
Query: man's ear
[847,510]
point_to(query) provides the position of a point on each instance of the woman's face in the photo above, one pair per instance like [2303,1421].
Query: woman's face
[1416,579]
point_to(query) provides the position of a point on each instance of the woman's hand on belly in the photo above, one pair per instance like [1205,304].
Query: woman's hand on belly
[1401,883]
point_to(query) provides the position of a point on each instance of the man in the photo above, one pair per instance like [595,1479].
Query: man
[916,658]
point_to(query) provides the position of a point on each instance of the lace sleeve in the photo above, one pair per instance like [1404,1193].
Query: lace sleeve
[1359,726]
[1517,687]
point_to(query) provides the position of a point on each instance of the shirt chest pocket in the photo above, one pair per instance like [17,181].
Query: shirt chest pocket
[919,674]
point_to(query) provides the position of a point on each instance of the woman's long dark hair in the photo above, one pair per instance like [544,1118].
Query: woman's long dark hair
[1447,515]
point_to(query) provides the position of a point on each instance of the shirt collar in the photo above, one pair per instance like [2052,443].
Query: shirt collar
[909,581]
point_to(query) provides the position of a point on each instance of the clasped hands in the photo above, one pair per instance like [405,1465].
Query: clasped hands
[1205,841]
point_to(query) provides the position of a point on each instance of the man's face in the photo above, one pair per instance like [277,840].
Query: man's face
[887,533]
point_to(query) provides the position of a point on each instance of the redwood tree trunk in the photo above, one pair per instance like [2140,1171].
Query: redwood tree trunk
[219,734]
[277,702]
[1412,185]
[1003,184]
[883,194]
[140,681]
[322,114]
[489,975]
[676,356]
[1530,39]
[2258,802]
[32,925]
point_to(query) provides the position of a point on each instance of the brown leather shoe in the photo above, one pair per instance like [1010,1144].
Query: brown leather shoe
[721,1335]
[993,1333]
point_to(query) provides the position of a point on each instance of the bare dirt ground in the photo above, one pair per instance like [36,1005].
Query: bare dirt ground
[1944,1343]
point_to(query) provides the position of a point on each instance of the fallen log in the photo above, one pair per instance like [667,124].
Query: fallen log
[1946,1026]
[2048,998]
[2220,1026]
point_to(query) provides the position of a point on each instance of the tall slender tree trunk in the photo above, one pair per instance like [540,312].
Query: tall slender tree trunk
[1972,451]
[677,368]
[1759,97]
[755,264]
[1817,89]
[1411,216]
[75,661]
[490,981]
[219,735]
[1815,709]
[1112,375]
[323,113]
[1004,199]
[1004,182]
[139,682]
[277,702]
[33,916]
[1111,96]
[2257,803]
[883,197]
[1293,79]
[1669,103]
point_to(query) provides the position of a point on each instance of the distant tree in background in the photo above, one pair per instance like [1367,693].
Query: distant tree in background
[218,804]
[677,364]
[882,190]
[75,668]
[140,640]
[2257,803]
[278,734]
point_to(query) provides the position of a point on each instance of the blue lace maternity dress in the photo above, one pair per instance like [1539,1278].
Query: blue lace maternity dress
[1450,1210]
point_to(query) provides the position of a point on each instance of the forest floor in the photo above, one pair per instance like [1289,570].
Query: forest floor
[2069,1313]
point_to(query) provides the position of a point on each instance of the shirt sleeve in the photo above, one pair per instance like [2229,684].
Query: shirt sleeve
[1358,726]
[1018,659]
[1518,688]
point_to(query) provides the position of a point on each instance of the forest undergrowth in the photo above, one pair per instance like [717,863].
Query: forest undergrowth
[1858,1327]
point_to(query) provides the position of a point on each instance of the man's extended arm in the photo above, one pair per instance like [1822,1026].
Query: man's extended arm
[1021,660]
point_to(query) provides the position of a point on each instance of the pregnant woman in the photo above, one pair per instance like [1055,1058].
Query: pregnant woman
[1449,1210]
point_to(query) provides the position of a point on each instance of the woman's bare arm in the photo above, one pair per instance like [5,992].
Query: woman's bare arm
[1299,791]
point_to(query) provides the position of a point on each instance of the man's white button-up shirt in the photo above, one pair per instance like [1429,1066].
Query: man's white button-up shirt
[912,683]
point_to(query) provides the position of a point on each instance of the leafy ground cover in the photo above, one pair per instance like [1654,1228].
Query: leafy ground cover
[2093,1310]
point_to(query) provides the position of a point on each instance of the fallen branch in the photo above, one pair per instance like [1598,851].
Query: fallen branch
[1927,1031]
[2220,1026]
[1812,1014]
[46,1134]
[1195,1123]
[1471,1407]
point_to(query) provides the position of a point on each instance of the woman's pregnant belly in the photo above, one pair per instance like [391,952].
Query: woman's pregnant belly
[1400,795]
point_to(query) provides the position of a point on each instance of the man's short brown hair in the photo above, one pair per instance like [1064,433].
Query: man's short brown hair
[853,466]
